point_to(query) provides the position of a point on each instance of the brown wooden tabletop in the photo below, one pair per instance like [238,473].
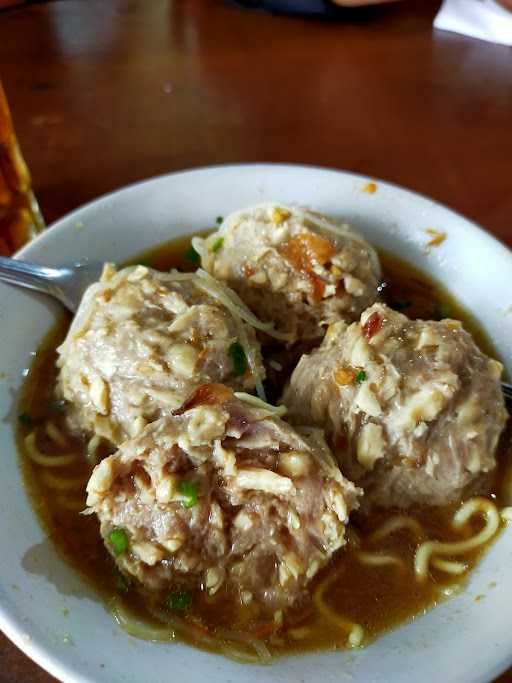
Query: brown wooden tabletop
[107,93]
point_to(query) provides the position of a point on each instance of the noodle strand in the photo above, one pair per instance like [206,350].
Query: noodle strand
[355,631]
[56,435]
[426,550]
[45,460]
[398,523]
[449,566]
[379,560]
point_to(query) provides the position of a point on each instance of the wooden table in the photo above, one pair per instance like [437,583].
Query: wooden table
[106,93]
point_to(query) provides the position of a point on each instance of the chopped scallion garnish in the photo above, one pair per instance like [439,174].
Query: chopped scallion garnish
[146,262]
[361,376]
[179,601]
[237,354]
[217,245]
[192,256]
[118,540]
[189,493]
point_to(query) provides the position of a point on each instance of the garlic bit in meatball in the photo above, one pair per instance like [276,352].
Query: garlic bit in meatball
[293,267]
[413,408]
[142,340]
[224,497]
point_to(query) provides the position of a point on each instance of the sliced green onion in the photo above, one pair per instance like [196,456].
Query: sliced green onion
[146,262]
[26,420]
[179,601]
[217,245]
[189,493]
[361,376]
[219,220]
[192,256]
[237,354]
[118,540]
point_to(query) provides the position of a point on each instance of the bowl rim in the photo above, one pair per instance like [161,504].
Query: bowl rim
[12,626]
[107,196]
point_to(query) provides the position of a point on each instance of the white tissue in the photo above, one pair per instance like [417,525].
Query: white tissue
[483,19]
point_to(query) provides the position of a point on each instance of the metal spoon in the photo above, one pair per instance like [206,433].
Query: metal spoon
[67,284]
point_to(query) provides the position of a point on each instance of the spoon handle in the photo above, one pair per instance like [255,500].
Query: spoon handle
[29,275]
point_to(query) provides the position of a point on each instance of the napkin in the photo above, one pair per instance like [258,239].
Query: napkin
[483,19]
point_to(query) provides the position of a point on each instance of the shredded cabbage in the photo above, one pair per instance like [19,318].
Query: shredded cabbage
[238,310]
[234,303]
[251,356]
[278,411]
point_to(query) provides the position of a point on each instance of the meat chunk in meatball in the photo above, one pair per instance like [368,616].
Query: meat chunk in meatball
[413,408]
[141,341]
[293,267]
[223,494]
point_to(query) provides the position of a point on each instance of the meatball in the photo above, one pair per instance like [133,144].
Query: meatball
[223,495]
[293,267]
[413,408]
[141,341]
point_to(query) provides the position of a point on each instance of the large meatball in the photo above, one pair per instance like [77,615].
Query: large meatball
[413,408]
[293,267]
[223,495]
[141,341]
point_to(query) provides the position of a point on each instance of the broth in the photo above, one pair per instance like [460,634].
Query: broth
[375,597]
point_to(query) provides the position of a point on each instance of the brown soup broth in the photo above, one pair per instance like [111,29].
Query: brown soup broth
[377,598]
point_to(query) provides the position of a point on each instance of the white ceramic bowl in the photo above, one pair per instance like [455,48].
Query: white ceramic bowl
[461,640]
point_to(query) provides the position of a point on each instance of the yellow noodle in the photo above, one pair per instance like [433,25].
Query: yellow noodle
[56,435]
[379,560]
[45,460]
[426,550]
[355,631]
[62,483]
[468,509]
[449,566]
[395,524]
